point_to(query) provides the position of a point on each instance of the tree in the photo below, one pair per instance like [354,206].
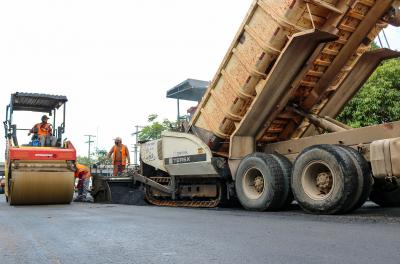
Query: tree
[100,156]
[378,101]
[155,128]
[83,160]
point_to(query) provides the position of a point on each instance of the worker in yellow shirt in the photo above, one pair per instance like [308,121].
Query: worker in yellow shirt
[83,174]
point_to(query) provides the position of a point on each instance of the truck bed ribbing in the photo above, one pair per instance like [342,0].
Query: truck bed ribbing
[251,62]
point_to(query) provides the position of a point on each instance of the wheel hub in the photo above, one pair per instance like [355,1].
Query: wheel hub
[318,180]
[259,184]
[253,183]
[324,182]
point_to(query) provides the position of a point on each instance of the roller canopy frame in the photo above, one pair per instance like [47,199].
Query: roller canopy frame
[34,102]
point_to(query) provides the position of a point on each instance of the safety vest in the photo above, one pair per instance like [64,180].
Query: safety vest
[82,170]
[43,129]
[123,154]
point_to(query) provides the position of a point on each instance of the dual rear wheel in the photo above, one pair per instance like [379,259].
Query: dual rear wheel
[325,179]
[331,179]
[263,182]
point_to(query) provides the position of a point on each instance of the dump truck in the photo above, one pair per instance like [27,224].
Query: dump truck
[34,173]
[265,131]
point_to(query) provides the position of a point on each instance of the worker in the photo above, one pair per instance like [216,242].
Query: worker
[83,174]
[120,156]
[44,132]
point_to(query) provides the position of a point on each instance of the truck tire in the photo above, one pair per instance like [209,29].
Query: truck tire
[365,180]
[385,194]
[324,180]
[260,183]
[286,167]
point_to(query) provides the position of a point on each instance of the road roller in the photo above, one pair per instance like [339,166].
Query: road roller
[42,170]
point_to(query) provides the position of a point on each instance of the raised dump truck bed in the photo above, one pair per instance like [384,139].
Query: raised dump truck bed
[286,53]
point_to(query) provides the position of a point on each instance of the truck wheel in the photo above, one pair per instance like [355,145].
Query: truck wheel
[260,183]
[385,194]
[287,167]
[324,180]
[365,180]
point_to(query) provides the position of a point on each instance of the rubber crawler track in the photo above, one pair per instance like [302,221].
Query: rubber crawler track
[179,203]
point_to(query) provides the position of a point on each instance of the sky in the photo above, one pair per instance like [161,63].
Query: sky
[114,60]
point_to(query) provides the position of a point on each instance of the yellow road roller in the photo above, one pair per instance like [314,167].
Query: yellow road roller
[41,171]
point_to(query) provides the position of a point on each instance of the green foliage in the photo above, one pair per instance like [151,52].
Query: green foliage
[152,117]
[374,46]
[83,160]
[155,128]
[378,101]
[99,156]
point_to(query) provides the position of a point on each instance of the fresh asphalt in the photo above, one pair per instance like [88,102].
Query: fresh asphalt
[98,233]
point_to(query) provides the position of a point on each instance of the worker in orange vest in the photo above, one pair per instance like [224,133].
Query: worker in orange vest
[83,174]
[120,156]
[44,131]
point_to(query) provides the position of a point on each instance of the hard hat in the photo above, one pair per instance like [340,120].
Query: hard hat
[45,117]
[118,138]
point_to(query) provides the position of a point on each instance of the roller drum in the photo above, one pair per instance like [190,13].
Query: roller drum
[41,184]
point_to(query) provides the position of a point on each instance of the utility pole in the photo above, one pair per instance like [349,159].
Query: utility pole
[90,141]
[178,119]
[136,145]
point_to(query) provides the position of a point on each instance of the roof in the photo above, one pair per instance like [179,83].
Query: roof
[36,102]
[191,90]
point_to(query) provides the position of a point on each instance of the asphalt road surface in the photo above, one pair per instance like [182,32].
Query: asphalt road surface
[94,233]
